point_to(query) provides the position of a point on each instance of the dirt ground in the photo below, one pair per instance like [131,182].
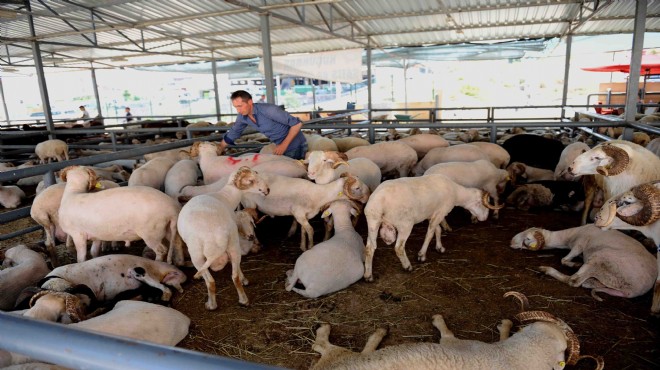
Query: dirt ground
[465,284]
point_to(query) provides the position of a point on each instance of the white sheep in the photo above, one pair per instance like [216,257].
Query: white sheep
[175,154]
[613,262]
[207,225]
[497,155]
[654,146]
[334,264]
[521,173]
[325,167]
[119,214]
[390,156]
[567,157]
[245,221]
[455,153]
[318,142]
[11,196]
[183,173]
[152,173]
[540,345]
[22,267]
[423,143]
[304,199]
[345,144]
[397,205]
[620,165]
[53,148]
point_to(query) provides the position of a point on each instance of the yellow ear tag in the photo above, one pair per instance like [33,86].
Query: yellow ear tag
[561,364]
[325,214]
[340,194]
[533,246]
[98,185]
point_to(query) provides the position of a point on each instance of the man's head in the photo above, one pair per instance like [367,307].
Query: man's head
[128,110]
[82,107]
[242,101]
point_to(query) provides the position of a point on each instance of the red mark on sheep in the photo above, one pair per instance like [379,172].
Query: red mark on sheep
[255,158]
[233,160]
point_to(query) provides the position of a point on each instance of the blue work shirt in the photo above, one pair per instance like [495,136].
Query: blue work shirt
[272,121]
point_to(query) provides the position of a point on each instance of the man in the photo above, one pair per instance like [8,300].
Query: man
[279,126]
[129,116]
[262,99]
[85,114]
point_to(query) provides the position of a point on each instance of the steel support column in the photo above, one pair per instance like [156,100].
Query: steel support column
[96,93]
[567,68]
[4,102]
[268,57]
[635,66]
[372,137]
[214,69]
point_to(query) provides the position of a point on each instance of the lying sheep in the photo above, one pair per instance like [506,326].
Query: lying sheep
[455,153]
[11,196]
[540,345]
[614,263]
[111,275]
[325,167]
[208,227]
[334,264]
[22,267]
[345,144]
[567,157]
[183,173]
[397,205]
[636,209]
[152,173]
[129,319]
[564,195]
[119,214]
[521,173]
[304,199]
[654,146]
[390,156]
[53,148]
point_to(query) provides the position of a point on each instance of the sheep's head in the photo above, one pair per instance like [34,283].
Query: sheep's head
[639,206]
[605,159]
[246,179]
[56,306]
[532,239]
[355,189]
[527,196]
[88,173]
[572,342]
[342,205]
[245,223]
[517,171]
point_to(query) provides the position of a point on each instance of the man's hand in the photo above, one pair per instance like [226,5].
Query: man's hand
[280,148]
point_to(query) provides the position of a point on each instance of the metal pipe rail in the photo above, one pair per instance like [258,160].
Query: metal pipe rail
[81,349]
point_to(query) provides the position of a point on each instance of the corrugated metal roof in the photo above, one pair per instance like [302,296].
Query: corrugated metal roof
[117,33]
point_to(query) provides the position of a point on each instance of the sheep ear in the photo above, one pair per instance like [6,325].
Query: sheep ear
[354,212]
[194,149]
[326,213]
[64,171]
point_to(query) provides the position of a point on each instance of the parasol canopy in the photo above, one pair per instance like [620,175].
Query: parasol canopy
[650,66]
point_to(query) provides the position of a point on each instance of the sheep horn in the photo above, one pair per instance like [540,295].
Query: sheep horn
[573,343]
[73,307]
[600,363]
[620,161]
[261,219]
[485,200]
[64,171]
[524,303]
[36,297]
[241,173]
[610,216]
[337,164]
[649,196]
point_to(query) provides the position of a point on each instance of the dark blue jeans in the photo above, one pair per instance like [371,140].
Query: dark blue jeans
[297,152]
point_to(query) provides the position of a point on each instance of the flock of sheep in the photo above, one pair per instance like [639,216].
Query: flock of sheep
[397,183]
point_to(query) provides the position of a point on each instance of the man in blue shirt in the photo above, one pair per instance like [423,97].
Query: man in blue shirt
[279,126]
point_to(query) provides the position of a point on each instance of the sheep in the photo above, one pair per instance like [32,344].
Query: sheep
[114,172]
[636,209]
[345,144]
[521,173]
[175,154]
[639,138]
[119,214]
[11,196]
[566,195]
[397,205]
[318,142]
[456,153]
[152,173]
[567,157]
[334,264]
[45,209]
[390,156]
[542,344]
[245,221]
[534,150]
[137,320]
[183,173]
[620,165]
[214,167]
[53,148]
[303,200]
[30,180]
[654,146]
[613,262]
[181,134]
[497,155]
[206,223]
[481,174]
[22,267]
[325,167]
[422,143]
[7,166]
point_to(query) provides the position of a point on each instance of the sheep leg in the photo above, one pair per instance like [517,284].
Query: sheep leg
[156,245]
[505,329]
[574,252]
[555,274]
[292,229]
[329,225]
[446,335]
[236,274]
[430,231]
[95,251]
[370,249]
[81,247]
[400,247]
[438,242]
[374,340]
[306,233]
[322,342]
[211,303]
[445,225]
[140,274]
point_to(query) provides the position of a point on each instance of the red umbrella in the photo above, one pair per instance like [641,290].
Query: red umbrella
[650,66]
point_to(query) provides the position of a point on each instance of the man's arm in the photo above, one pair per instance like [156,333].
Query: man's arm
[284,145]
[232,134]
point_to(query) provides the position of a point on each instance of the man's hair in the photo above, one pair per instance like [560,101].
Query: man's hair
[129,108]
[82,106]
[244,95]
